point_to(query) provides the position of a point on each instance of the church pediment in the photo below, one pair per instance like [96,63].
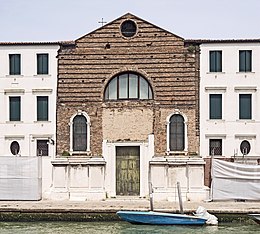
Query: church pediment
[128,28]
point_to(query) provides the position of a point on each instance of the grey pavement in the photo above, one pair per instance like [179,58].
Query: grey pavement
[113,205]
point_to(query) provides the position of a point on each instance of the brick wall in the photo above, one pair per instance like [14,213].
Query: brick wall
[160,56]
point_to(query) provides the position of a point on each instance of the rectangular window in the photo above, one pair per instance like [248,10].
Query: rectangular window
[245,60]
[123,86]
[215,61]
[42,108]
[42,64]
[15,108]
[144,89]
[215,106]
[133,86]
[14,64]
[42,148]
[215,147]
[245,106]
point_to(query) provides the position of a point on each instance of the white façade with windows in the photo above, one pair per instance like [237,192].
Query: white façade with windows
[229,99]
[28,83]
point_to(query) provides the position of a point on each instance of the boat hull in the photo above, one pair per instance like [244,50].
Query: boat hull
[159,218]
[255,217]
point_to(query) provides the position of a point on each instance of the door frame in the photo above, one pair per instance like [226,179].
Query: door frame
[146,154]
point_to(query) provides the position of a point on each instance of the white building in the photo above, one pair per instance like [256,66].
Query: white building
[28,83]
[229,98]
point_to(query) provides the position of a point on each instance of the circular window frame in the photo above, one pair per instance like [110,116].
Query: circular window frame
[15,146]
[123,34]
[248,148]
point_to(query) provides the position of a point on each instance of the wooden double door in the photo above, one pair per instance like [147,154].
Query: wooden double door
[128,170]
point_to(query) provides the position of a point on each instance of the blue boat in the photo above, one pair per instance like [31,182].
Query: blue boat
[159,218]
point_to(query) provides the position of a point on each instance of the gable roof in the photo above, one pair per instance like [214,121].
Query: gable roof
[129,15]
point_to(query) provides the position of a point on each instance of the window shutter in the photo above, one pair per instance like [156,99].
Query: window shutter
[248,63]
[14,64]
[212,61]
[42,63]
[215,106]
[218,61]
[245,106]
[15,108]
[42,109]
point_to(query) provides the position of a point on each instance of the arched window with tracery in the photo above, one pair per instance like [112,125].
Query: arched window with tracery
[79,133]
[176,133]
[127,86]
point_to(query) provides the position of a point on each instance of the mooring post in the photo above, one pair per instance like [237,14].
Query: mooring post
[180,198]
[151,195]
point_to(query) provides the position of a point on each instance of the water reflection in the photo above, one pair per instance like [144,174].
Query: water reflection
[119,227]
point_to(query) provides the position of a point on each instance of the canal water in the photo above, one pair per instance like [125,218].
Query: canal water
[120,227]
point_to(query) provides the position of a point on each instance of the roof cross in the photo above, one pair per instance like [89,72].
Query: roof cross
[102,22]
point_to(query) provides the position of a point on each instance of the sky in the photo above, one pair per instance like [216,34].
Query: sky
[62,20]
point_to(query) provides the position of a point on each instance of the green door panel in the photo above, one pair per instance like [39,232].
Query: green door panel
[128,170]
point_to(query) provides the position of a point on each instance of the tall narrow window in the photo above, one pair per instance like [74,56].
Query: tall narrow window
[42,63]
[245,106]
[79,133]
[245,60]
[215,147]
[177,131]
[215,61]
[42,108]
[215,106]
[14,64]
[15,108]
[42,148]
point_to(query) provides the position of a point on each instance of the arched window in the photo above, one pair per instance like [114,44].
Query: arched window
[79,133]
[245,147]
[15,148]
[128,86]
[176,133]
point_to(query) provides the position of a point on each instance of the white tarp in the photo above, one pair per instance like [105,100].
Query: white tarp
[234,181]
[20,178]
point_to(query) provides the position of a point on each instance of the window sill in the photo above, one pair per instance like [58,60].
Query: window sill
[14,122]
[42,121]
[176,153]
[245,120]
[80,153]
[215,73]
[245,72]
[14,76]
[216,120]
[42,75]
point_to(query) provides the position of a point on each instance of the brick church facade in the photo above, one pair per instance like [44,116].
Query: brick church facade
[127,113]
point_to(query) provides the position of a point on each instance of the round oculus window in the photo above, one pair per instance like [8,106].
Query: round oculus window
[128,28]
[245,147]
[15,147]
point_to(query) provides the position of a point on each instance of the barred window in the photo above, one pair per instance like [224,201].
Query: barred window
[42,148]
[215,147]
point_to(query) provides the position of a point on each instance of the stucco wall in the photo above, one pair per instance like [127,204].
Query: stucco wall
[127,124]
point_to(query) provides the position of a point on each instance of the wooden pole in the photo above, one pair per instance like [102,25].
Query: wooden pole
[151,195]
[150,188]
[180,198]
